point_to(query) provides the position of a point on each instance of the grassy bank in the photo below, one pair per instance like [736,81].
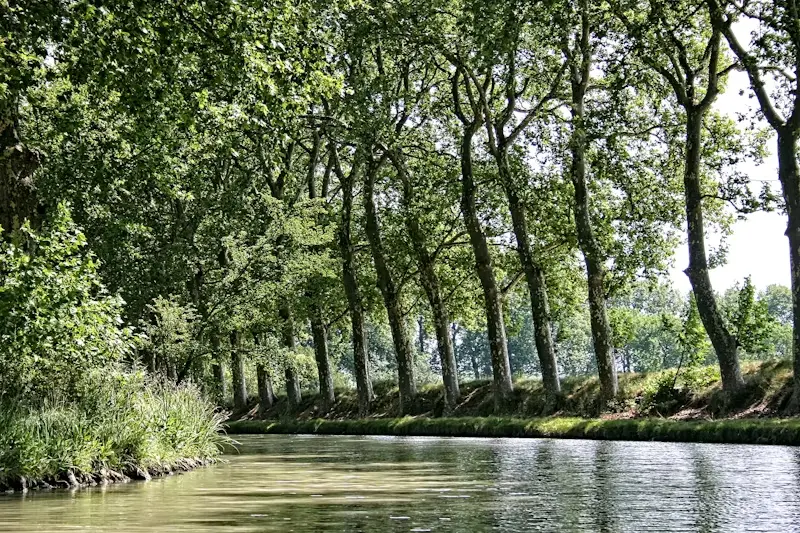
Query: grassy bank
[118,427]
[695,394]
[765,431]
[661,406]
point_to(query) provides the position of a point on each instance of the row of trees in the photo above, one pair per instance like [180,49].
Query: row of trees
[257,168]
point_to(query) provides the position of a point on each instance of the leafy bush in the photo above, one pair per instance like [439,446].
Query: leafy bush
[56,319]
[67,405]
[171,336]
[673,389]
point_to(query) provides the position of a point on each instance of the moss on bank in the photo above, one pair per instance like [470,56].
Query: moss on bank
[697,395]
[763,431]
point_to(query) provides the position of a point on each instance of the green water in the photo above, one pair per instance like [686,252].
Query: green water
[310,484]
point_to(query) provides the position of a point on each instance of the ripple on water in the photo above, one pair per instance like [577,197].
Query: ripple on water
[310,484]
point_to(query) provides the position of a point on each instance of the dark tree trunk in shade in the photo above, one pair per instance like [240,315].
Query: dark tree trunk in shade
[391,296]
[350,280]
[237,372]
[725,344]
[217,366]
[320,335]
[421,332]
[501,368]
[476,367]
[318,329]
[266,395]
[593,256]
[287,338]
[432,287]
[172,371]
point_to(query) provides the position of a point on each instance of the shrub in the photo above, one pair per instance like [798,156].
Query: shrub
[117,421]
[56,319]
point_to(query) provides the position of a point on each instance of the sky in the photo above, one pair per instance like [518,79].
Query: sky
[758,246]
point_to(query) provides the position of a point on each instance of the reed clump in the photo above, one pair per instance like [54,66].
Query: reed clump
[116,426]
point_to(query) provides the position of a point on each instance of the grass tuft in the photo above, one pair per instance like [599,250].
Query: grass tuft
[120,425]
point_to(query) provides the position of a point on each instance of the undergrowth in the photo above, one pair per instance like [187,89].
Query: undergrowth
[117,422]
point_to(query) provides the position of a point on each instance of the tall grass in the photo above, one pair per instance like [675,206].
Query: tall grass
[118,422]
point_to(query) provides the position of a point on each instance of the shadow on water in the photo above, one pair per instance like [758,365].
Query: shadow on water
[309,484]
[707,492]
[604,498]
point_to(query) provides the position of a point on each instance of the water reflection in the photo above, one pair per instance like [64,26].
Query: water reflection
[309,484]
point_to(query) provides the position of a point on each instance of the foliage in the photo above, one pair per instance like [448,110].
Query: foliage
[171,336]
[216,156]
[58,321]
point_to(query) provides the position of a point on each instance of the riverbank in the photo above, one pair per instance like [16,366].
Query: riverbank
[68,479]
[117,427]
[754,431]
[694,394]
[685,406]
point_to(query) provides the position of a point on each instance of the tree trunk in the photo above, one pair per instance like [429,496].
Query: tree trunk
[172,372]
[592,254]
[220,386]
[318,329]
[391,297]
[18,198]
[421,338]
[266,395]
[432,287]
[790,182]
[725,344]
[534,276]
[292,379]
[351,289]
[324,371]
[501,368]
[237,371]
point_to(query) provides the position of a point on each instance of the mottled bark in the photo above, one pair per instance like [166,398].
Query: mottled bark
[237,372]
[534,276]
[432,287]
[594,258]
[787,128]
[725,344]
[18,198]
[501,368]
[352,291]
[790,182]
[287,339]
[404,353]
[320,335]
